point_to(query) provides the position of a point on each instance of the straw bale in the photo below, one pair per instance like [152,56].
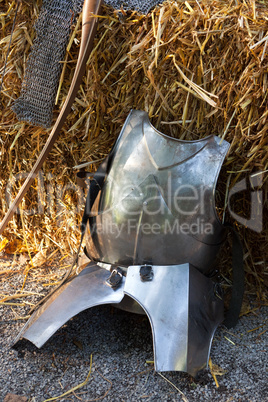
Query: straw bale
[197,68]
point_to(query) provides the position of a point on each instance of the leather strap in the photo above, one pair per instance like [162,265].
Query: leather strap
[235,305]
[94,188]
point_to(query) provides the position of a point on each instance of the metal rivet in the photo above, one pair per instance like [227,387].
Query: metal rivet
[115,278]
[146,273]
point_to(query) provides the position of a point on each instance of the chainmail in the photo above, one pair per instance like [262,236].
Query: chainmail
[43,69]
[140,5]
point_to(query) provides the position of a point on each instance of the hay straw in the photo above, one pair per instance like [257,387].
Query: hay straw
[74,388]
[212,372]
[229,340]
[79,20]
[173,385]
[197,68]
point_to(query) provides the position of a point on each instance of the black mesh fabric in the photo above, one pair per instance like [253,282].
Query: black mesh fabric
[139,5]
[43,69]
[39,87]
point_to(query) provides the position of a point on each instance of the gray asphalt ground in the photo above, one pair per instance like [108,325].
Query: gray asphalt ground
[121,347]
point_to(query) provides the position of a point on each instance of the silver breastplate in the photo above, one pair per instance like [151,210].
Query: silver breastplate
[157,202]
[154,217]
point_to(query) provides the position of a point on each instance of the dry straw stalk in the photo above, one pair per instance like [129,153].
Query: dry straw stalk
[197,68]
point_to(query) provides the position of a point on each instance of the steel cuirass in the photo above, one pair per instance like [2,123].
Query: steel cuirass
[157,202]
[152,236]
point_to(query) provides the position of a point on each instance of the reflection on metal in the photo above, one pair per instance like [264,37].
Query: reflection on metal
[183,319]
[184,314]
[157,202]
[86,290]
[154,234]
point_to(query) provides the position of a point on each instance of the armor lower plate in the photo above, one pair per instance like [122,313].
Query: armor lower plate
[180,302]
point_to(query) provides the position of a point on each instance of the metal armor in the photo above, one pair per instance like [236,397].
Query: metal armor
[157,202]
[152,236]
